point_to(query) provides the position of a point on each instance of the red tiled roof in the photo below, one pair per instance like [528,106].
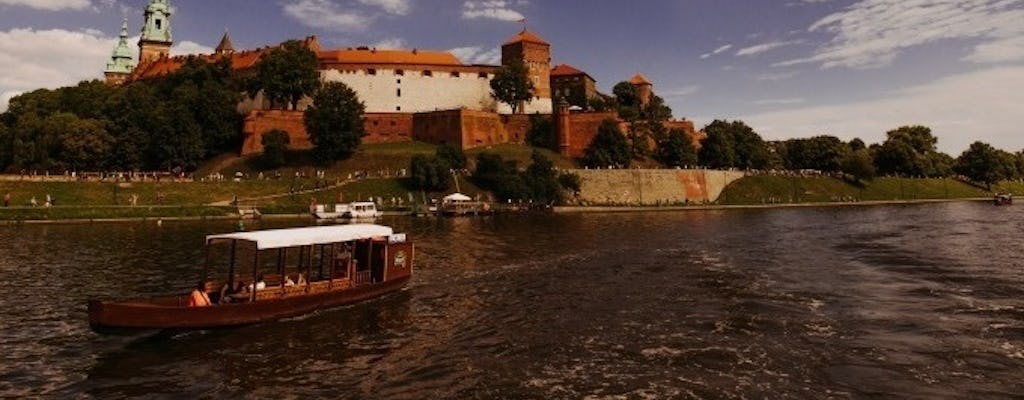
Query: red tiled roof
[527,36]
[565,69]
[239,61]
[640,80]
[399,57]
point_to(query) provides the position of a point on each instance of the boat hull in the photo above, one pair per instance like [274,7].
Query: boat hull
[166,314]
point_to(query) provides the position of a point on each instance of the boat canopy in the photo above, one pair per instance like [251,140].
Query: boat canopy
[456,197]
[294,237]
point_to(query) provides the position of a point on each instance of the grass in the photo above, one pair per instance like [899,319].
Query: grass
[781,189]
[89,213]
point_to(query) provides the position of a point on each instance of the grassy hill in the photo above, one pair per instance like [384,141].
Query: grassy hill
[783,189]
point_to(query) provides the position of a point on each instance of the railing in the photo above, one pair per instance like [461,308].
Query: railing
[363,278]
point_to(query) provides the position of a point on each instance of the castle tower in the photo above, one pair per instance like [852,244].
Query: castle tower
[120,66]
[644,89]
[563,127]
[225,47]
[535,53]
[156,40]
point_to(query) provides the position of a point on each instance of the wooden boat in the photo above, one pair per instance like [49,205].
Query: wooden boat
[329,265]
[1003,199]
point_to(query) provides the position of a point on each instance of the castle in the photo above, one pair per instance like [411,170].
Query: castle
[422,95]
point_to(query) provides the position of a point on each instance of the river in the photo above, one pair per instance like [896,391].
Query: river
[907,301]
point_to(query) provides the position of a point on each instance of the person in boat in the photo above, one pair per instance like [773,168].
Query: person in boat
[260,284]
[302,279]
[288,281]
[199,298]
[344,255]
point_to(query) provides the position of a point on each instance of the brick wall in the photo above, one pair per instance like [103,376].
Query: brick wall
[387,127]
[258,123]
[583,128]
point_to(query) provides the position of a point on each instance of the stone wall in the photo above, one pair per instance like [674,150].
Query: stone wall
[583,128]
[258,123]
[464,128]
[414,91]
[653,187]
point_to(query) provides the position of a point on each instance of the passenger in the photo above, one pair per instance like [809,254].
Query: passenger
[302,279]
[259,284]
[199,298]
[288,281]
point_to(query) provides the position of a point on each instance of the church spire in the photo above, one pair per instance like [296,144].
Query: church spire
[156,31]
[120,65]
[225,46]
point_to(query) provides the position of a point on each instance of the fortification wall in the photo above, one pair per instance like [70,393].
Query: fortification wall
[583,128]
[380,128]
[653,187]
[413,91]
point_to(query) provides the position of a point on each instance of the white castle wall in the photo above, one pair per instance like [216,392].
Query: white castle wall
[419,93]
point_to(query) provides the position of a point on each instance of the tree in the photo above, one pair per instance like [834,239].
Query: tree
[571,182]
[823,153]
[981,163]
[511,85]
[676,150]
[275,148]
[627,100]
[86,145]
[500,177]
[452,155]
[858,164]
[542,180]
[542,133]
[430,173]
[334,122]
[608,148]
[911,151]
[286,74]
[718,148]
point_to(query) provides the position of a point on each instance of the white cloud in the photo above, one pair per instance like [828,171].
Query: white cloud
[680,92]
[872,33]
[325,14]
[27,61]
[761,48]
[492,9]
[982,105]
[477,55]
[779,102]
[390,44]
[716,51]
[186,48]
[49,5]
[773,77]
[398,7]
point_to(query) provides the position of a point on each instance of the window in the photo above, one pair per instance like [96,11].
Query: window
[399,72]
[371,71]
[159,23]
[398,92]
[398,81]
[398,108]
[455,74]
[428,73]
[483,75]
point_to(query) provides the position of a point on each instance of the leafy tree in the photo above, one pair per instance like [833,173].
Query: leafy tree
[334,122]
[823,153]
[911,151]
[600,103]
[286,74]
[215,111]
[5,147]
[184,148]
[430,173]
[542,133]
[500,176]
[542,180]
[86,144]
[981,163]
[718,148]
[676,150]
[657,109]
[571,182]
[137,115]
[453,156]
[858,164]
[511,85]
[856,144]
[608,148]
[627,100]
[275,148]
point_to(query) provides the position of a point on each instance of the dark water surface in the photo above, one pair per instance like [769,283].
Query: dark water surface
[923,301]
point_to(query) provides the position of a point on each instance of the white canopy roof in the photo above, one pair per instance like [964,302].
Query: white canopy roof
[277,238]
[457,197]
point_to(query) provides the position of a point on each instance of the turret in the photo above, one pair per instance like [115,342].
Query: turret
[535,53]
[225,47]
[644,89]
[120,66]
[156,41]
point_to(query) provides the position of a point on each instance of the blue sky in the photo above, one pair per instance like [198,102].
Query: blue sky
[789,68]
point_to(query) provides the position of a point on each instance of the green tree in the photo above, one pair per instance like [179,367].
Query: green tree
[453,156]
[608,148]
[542,133]
[137,115]
[823,153]
[542,180]
[858,164]
[500,176]
[215,111]
[86,144]
[911,151]
[981,163]
[511,85]
[275,148]
[184,148]
[627,101]
[430,173]
[334,122]
[571,182]
[286,74]
[5,147]
[657,110]
[676,150]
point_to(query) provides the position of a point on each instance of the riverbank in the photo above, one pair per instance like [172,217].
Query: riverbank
[713,207]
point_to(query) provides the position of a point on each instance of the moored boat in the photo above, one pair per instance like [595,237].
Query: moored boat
[364,210]
[458,204]
[314,268]
[1003,199]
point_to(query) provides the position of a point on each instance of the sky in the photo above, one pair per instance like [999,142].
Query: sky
[788,68]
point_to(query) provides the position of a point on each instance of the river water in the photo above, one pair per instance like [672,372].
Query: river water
[912,301]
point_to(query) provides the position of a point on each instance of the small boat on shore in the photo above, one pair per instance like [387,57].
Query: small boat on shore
[363,210]
[1003,199]
[458,204]
[314,268]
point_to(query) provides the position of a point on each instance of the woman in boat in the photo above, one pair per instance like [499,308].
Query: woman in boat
[199,298]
